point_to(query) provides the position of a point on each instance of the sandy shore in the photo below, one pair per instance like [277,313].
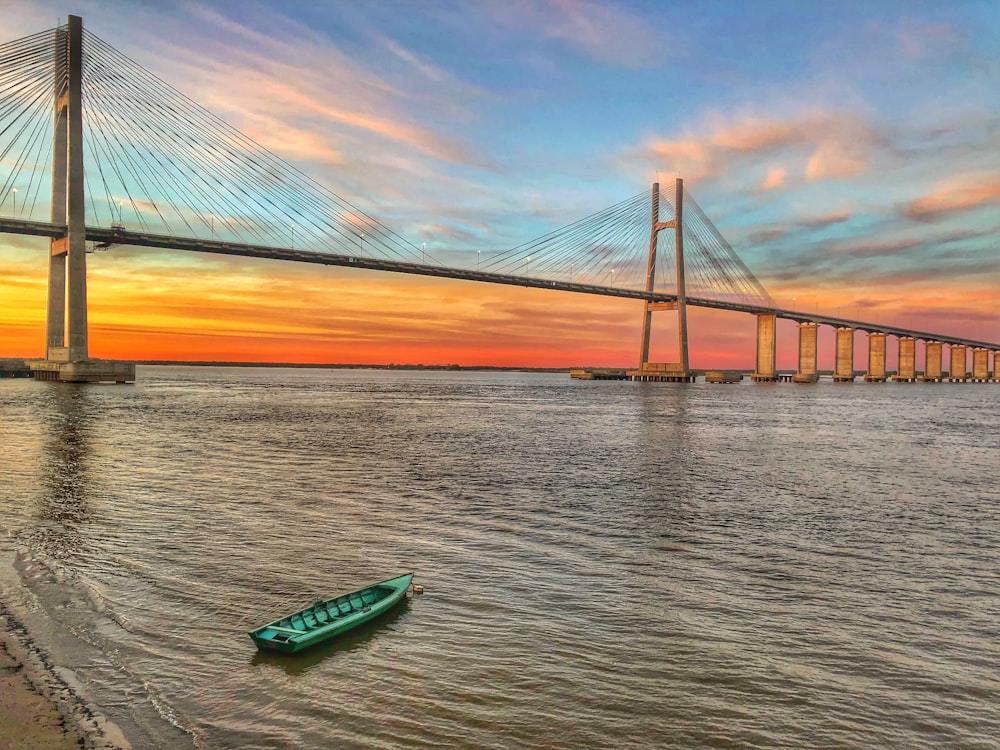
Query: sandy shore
[47,696]
[28,718]
[41,704]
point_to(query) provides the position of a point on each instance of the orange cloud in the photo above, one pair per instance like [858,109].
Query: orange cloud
[829,145]
[962,194]
[387,127]
[775,179]
[836,160]
[755,135]
[692,159]
[232,68]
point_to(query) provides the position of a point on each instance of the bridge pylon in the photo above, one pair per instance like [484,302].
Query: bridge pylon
[670,371]
[69,360]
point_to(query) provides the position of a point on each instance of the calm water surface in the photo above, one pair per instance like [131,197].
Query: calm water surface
[607,565]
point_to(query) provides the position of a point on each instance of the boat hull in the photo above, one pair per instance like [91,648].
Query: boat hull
[330,618]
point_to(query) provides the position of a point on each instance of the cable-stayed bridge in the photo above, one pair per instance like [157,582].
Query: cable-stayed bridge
[96,151]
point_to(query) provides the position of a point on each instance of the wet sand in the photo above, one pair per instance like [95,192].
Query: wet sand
[42,704]
[28,718]
[47,698]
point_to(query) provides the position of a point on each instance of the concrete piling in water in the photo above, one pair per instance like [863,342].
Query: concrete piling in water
[807,372]
[958,373]
[906,367]
[980,365]
[932,362]
[876,358]
[844,367]
[767,368]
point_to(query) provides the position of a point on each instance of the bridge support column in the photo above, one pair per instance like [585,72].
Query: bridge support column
[678,372]
[69,360]
[682,321]
[959,360]
[55,341]
[906,369]
[996,366]
[980,365]
[843,371]
[76,238]
[807,372]
[876,358]
[767,370]
[932,362]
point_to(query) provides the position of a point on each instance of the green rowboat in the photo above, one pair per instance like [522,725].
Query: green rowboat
[326,619]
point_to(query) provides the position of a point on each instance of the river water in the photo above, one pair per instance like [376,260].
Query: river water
[606,564]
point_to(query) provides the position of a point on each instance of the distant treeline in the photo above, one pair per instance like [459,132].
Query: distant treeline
[343,366]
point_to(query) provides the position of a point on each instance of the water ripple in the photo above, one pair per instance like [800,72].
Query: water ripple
[606,564]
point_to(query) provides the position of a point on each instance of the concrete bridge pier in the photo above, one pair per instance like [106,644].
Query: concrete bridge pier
[996,366]
[932,362]
[906,369]
[959,361]
[767,368]
[876,358]
[843,371]
[807,372]
[980,365]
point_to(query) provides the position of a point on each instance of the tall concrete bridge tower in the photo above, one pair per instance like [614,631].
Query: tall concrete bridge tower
[66,352]
[678,372]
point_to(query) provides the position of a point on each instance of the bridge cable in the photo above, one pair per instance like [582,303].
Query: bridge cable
[298,192]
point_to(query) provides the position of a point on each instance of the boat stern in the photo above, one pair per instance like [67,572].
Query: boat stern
[270,638]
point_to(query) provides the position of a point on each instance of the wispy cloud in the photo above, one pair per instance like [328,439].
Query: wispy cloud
[608,33]
[775,178]
[959,195]
[837,159]
[810,224]
[811,145]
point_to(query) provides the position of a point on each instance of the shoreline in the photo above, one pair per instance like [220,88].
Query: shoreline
[28,717]
[42,704]
[47,695]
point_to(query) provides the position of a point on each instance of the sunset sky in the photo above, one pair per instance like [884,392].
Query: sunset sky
[849,152]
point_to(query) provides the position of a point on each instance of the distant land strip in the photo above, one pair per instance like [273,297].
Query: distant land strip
[349,366]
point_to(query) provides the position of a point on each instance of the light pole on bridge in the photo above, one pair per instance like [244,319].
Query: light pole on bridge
[292,227]
[14,199]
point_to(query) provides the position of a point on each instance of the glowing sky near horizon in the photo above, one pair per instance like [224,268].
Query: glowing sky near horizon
[850,153]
